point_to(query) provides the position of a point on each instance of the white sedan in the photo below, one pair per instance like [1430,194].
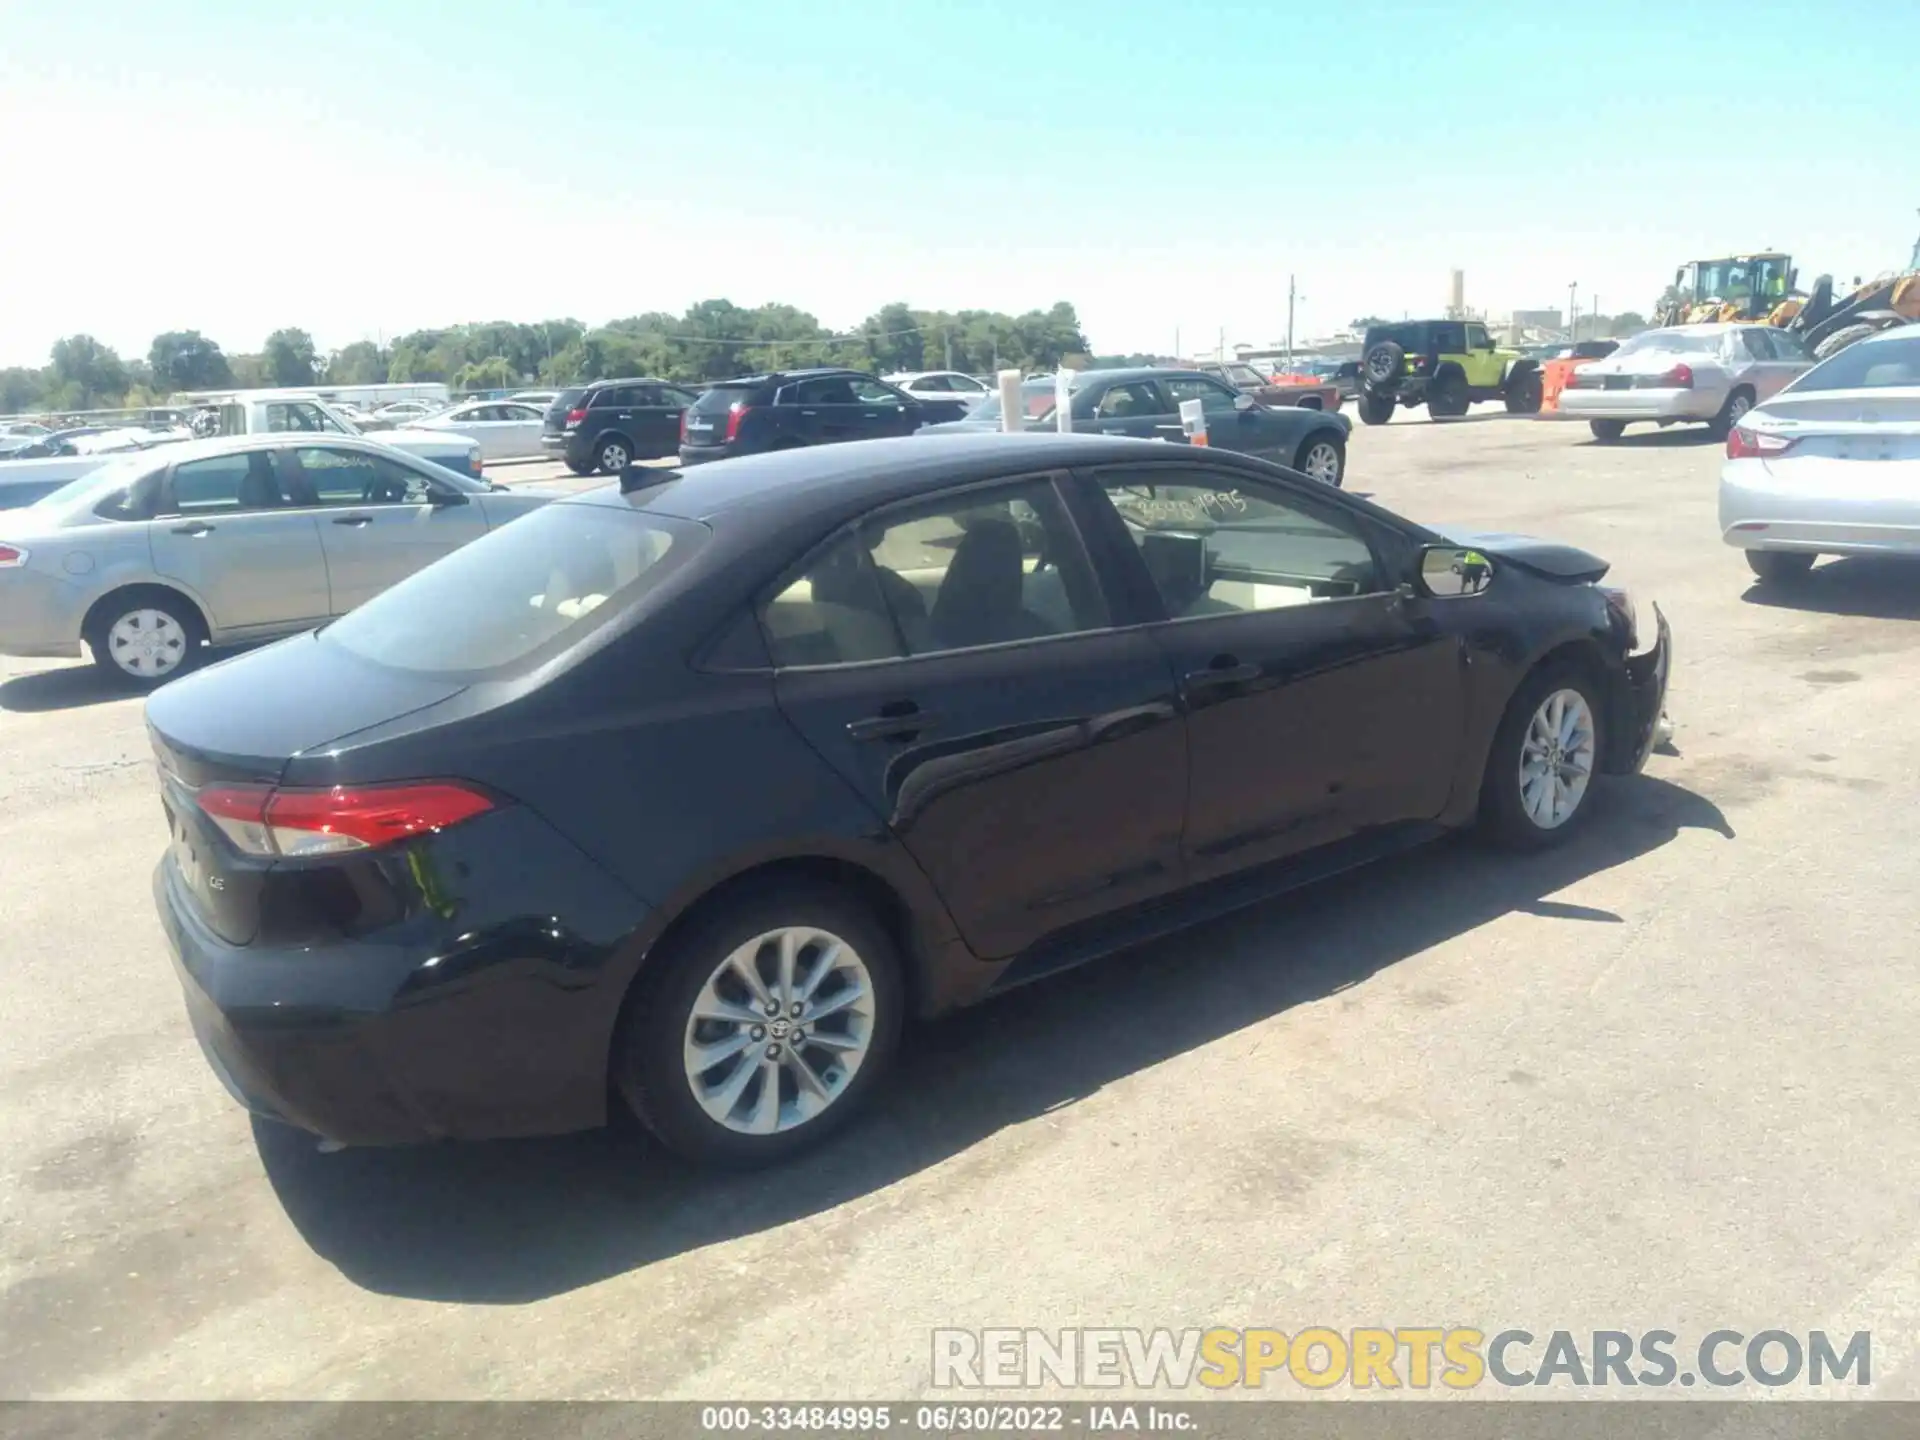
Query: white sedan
[1831,465]
[503,429]
[941,385]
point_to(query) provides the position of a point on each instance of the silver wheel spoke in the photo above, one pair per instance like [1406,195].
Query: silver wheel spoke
[766,1105]
[834,1004]
[705,1057]
[712,1007]
[805,1078]
[1557,758]
[721,1102]
[745,963]
[789,955]
[828,1040]
[823,963]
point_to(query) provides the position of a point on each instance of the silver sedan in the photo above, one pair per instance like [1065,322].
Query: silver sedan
[1832,465]
[155,556]
[1685,374]
[503,429]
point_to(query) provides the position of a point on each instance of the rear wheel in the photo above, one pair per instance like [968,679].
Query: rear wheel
[614,455]
[1607,431]
[1322,458]
[1779,567]
[146,635]
[1731,413]
[1545,755]
[1375,409]
[764,1027]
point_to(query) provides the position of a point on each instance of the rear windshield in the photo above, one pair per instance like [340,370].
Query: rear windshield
[722,398]
[1407,337]
[566,398]
[1882,365]
[520,594]
[1672,342]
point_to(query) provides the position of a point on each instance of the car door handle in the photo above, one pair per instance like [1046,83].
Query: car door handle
[196,528]
[901,726]
[624,415]
[354,520]
[1225,671]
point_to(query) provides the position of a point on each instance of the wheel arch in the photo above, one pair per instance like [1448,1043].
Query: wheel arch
[1582,652]
[96,612]
[1450,370]
[1521,368]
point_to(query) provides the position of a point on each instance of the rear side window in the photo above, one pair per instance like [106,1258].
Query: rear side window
[521,594]
[723,398]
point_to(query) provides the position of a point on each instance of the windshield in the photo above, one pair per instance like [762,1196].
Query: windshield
[520,594]
[1035,395]
[1671,342]
[1879,365]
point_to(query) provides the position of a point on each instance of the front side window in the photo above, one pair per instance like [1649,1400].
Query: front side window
[1214,399]
[353,478]
[824,390]
[1214,545]
[984,568]
[874,392]
[298,415]
[1477,338]
[934,384]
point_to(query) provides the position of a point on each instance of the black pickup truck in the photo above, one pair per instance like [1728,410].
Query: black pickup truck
[791,408]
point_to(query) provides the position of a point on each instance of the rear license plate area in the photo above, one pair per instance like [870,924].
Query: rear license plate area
[1617,382]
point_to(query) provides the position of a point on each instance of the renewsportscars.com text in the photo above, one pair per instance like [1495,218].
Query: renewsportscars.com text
[1413,1357]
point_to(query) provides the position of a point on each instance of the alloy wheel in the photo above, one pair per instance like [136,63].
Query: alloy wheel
[147,644]
[1556,759]
[779,1030]
[613,456]
[1322,463]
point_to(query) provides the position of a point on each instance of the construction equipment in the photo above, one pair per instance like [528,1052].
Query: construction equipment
[1764,286]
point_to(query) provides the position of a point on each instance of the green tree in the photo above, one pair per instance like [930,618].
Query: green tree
[249,371]
[87,374]
[187,360]
[289,358]
[494,373]
[894,339]
[21,389]
[361,363]
[1629,322]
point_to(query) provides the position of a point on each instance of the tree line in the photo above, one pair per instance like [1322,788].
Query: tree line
[713,340]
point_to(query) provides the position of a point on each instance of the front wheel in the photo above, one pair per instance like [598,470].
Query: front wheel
[1779,567]
[1322,458]
[1607,431]
[764,1027]
[1448,398]
[1540,772]
[1375,409]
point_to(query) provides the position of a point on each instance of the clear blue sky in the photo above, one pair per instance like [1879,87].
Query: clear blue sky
[358,168]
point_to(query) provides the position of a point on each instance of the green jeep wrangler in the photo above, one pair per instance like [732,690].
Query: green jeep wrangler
[1445,365]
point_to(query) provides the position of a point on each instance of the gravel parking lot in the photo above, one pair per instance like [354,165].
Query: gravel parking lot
[1661,1077]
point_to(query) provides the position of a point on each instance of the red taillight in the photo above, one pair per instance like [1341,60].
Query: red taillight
[264,821]
[1680,377]
[735,415]
[575,417]
[1745,444]
[683,427]
[12,557]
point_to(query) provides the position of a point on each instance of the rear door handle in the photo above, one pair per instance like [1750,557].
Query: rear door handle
[893,727]
[1215,676]
[354,520]
[195,528]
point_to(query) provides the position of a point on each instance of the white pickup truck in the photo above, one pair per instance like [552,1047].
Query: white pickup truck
[24,481]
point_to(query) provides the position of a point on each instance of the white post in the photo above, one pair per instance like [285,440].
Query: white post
[1013,417]
[1193,420]
[1063,400]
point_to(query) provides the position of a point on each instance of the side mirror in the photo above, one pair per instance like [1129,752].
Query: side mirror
[1447,571]
[441,498]
[1245,404]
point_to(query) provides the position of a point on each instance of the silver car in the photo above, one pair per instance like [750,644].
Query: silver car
[1686,374]
[1831,466]
[503,429]
[158,554]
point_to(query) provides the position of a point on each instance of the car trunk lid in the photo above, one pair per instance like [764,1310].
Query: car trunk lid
[554,422]
[242,725]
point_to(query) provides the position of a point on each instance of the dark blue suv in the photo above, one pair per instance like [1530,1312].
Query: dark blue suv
[792,408]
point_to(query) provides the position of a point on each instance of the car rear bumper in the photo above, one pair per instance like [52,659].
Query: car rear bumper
[1759,511]
[1637,706]
[481,1034]
[40,614]
[1632,405]
[701,454]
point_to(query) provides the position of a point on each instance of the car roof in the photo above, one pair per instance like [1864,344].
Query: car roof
[772,490]
[625,380]
[175,451]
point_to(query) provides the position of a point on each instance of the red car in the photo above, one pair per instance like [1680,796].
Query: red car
[1301,390]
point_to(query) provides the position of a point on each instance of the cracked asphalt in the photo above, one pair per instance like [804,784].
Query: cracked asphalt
[1663,1077]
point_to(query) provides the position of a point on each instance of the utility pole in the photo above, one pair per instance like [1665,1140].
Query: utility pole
[1573,313]
[1176,344]
[1595,333]
[1292,295]
[1220,347]
[947,336]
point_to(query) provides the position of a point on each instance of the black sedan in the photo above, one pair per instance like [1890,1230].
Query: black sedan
[1145,404]
[695,794]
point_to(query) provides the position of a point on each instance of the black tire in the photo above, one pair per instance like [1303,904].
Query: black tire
[1607,432]
[649,1069]
[1448,397]
[578,468]
[1504,819]
[612,454]
[1375,409]
[180,619]
[1779,567]
[1382,362]
[1525,392]
[1839,340]
[1731,413]
[1311,453]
